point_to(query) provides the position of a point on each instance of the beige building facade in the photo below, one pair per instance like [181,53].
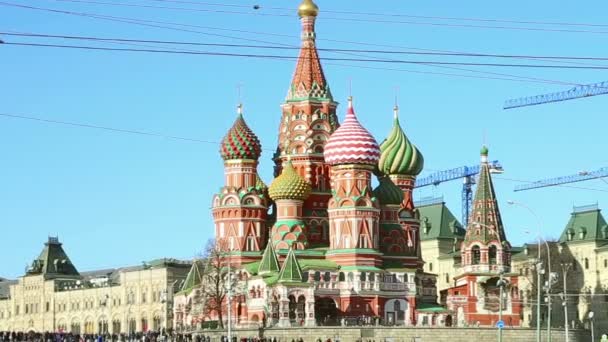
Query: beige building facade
[54,296]
[581,253]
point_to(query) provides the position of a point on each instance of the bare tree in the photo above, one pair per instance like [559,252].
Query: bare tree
[214,290]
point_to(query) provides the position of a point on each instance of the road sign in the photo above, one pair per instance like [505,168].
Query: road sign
[500,324]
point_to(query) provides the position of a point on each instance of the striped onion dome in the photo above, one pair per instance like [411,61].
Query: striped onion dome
[289,185]
[387,192]
[399,156]
[240,142]
[351,143]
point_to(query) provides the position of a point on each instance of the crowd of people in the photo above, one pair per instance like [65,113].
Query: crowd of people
[151,336]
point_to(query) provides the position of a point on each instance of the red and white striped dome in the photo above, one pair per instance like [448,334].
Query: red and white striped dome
[351,143]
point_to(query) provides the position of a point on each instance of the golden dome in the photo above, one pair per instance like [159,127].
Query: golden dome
[308,9]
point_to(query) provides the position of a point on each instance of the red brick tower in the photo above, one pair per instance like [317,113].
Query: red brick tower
[401,161]
[354,212]
[308,120]
[240,208]
[486,263]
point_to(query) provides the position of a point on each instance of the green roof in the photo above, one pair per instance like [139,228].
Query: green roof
[585,225]
[291,271]
[361,268]
[195,276]
[430,307]
[53,261]
[318,264]
[252,267]
[269,263]
[437,221]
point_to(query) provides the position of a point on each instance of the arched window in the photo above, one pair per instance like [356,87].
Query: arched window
[492,255]
[362,276]
[341,276]
[475,254]
[327,277]
[351,277]
[317,276]
[586,263]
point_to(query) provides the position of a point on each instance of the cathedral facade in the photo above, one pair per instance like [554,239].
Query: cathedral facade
[320,245]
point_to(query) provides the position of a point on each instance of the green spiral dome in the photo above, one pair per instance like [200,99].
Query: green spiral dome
[398,155]
[289,185]
[387,192]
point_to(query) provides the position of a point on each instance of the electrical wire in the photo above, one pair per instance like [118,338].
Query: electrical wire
[340,18]
[251,55]
[281,47]
[394,14]
[146,23]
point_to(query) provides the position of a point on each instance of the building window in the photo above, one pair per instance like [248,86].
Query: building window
[475,255]
[317,276]
[327,276]
[606,265]
[431,267]
[48,306]
[447,277]
[492,255]
[362,276]
[586,263]
[341,276]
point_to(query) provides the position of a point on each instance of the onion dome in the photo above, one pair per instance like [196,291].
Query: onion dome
[399,156]
[387,192]
[484,150]
[240,142]
[308,9]
[289,185]
[259,183]
[351,143]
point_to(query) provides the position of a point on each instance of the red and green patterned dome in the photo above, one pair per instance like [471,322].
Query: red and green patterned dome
[240,142]
[398,155]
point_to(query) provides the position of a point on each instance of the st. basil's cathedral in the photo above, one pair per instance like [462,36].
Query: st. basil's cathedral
[319,246]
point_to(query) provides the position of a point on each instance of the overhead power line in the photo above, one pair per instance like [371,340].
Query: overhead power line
[350,19]
[281,47]
[32,118]
[555,23]
[105,128]
[251,55]
[155,24]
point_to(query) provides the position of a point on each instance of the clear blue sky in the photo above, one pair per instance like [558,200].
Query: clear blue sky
[117,199]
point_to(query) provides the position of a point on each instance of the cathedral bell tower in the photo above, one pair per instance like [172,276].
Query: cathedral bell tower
[401,162]
[353,211]
[240,207]
[308,119]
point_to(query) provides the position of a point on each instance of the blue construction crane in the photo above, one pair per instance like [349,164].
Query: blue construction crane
[467,173]
[574,93]
[579,177]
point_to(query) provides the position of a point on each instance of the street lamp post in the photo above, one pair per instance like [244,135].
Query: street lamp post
[565,267]
[501,284]
[229,285]
[540,225]
[591,314]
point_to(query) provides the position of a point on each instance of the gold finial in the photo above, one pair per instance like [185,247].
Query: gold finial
[308,9]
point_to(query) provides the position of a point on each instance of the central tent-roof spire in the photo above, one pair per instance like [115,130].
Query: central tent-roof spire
[308,80]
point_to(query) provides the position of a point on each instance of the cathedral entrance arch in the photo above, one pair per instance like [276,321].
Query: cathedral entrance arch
[326,311]
[395,312]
